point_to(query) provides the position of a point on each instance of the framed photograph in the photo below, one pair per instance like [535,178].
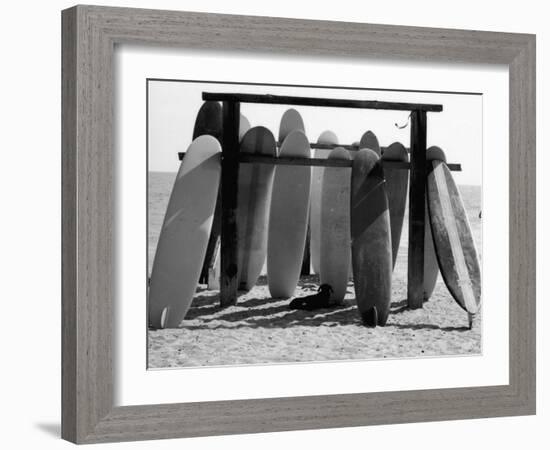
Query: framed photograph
[267,230]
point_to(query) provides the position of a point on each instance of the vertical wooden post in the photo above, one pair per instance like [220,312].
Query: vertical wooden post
[229,186]
[417,193]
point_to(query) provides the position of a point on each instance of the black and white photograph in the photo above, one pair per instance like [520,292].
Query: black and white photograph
[293,224]
[275,225]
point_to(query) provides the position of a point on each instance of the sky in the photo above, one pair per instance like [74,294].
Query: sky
[173,106]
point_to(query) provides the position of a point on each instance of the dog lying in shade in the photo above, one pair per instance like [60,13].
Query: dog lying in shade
[316,301]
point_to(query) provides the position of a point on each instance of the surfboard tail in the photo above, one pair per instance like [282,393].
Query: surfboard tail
[370,317]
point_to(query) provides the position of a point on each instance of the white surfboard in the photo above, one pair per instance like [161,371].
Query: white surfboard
[184,234]
[335,251]
[288,218]
[254,196]
[292,120]
[326,137]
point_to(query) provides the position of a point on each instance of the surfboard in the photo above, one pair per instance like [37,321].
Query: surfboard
[288,218]
[397,181]
[431,267]
[369,140]
[335,249]
[371,239]
[244,126]
[453,240]
[215,270]
[326,137]
[291,120]
[208,266]
[253,202]
[184,234]
[209,120]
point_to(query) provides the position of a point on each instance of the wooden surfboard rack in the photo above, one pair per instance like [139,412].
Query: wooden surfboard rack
[231,159]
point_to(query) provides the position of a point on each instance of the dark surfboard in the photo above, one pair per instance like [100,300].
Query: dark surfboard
[371,239]
[397,181]
[210,121]
[369,140]
[253,205]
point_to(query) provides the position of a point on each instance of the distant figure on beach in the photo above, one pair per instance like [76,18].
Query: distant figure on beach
[480,214]
[316,301]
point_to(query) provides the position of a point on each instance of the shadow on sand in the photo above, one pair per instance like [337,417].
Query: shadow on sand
[264,313]
[269,313]
[427,326]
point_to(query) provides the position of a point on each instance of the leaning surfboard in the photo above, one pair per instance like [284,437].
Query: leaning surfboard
[253,202]
[453,240]
[431,267]
[371,240]
[288,218]
[184,234]
[335,252]
[397,181]
[326,137]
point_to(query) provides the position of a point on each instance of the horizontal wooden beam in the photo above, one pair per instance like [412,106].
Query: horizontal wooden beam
[323,162]
[248,158]
[293,161]
[323,102]
[350,147]
[317,146]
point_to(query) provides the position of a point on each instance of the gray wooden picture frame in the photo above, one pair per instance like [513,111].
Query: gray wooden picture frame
[89,37]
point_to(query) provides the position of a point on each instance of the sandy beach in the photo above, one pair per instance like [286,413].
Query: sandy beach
[260,330]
